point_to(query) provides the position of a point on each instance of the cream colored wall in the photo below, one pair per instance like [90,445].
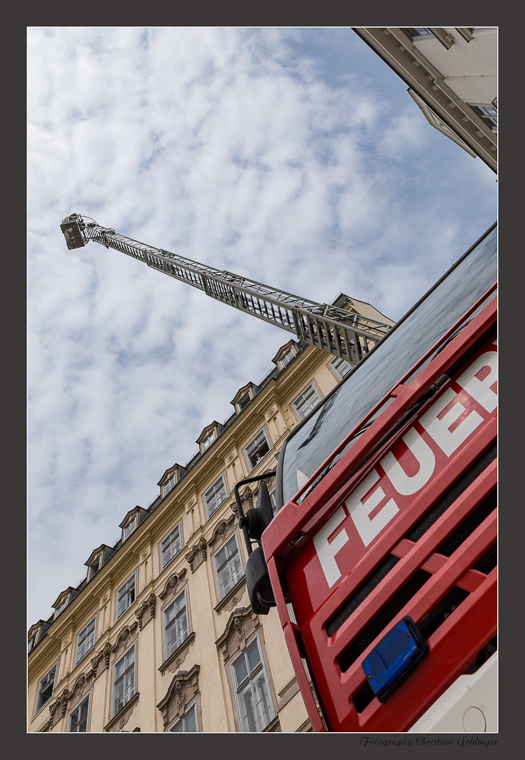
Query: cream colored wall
[270,409]
[468,68]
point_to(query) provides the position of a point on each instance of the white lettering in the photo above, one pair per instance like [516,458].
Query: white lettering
[449,440]
[403,483]
[327,551]
[481,390]
[360,510]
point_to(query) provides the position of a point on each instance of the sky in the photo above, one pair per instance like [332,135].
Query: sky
[294,157]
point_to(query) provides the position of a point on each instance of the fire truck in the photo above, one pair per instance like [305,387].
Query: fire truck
[382,556]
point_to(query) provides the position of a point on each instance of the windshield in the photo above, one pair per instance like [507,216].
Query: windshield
[311,443]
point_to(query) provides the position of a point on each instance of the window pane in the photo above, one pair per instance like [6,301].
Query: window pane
[247,708]
[241,670]
[190,720]
[253,656]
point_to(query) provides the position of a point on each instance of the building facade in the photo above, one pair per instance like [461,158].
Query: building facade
[160,635]
[451,73]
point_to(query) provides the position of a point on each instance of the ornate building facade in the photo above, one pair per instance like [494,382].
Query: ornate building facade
[160,635]
[451,73]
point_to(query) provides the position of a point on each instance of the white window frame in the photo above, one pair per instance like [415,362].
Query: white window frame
[241,404]
[340,367]
[169,541]
[250,688]
[232,570]
[128,603]
[169,485]
[52,671]
[263,435]
[287,357]
[180,623]
[300,401]
[129,528]
[77,709]
[86,633]
[207,442]
[182,721]
[61,607]
[210,496]
[128,681]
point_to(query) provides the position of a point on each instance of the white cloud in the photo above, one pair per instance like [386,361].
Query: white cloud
[225,147]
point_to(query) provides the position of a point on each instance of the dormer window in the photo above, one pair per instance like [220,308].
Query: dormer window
[94,568]
[166,488]
[285,354]
[63,600]
[128,529]
[243,396]
[61,607]
[132,521]
[244,401]
[31,643]
[207,442]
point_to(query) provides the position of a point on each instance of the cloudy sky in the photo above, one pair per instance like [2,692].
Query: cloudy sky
[291,156]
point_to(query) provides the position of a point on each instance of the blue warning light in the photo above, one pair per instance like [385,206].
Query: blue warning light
[394,658]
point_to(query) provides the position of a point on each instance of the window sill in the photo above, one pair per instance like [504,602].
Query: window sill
[229,596]
[180,652]
[121,713]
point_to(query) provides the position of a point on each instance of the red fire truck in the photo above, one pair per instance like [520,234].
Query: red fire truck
[382,556]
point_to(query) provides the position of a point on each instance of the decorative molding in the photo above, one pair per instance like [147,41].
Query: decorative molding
[118,722]
[270,413]
[182,690]
[177,657]
[197,554]
[101,657]
[66,642]
[144,555]
[241,625]
[58,708]
[222,530]
[232,598]
[82,684]
[273,727]
[146,611]
[125,636]
[287,693]
[172,584]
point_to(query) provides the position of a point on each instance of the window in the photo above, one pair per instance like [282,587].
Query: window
[126,596]
[169,485]
[257,449]
[254,705]
[228,566]
[61,607]
[176,628]
[488,113]
[214,497]
[78,719]
[31,643]
[170,546]
[129,528]
[243,402]
[307,401]
[287,358]
[207,442]
[86,640]
[417,31]
[124,681]
[341,367]
[45,688]
[188,722]
[94,568]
